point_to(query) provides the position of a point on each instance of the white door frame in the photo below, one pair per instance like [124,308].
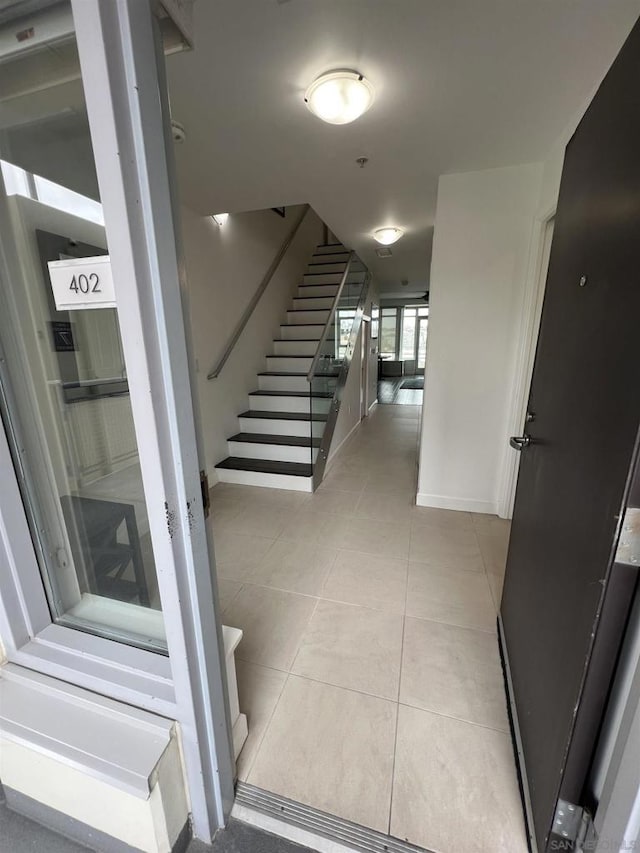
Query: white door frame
[526,342]
[122,71]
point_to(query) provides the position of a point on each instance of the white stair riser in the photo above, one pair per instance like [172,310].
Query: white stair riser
[310,332]
[286,364]
[272,426]
[315,317]
[328,266]
[322,278]
[275,452]
[306,304]
[268,481]
[329,290]
[336,258]
[283,383]
[295,348]
[289,404]
[331,250]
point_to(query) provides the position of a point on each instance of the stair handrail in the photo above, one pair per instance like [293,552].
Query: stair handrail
[264,283]
[332,314]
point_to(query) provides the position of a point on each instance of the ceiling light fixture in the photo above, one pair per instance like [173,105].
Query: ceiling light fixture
[339,97]
[220,218]
[387,236]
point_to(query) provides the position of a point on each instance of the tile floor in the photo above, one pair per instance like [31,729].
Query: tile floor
[369,668]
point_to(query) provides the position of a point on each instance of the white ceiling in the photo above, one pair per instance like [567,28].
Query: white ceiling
[460,85]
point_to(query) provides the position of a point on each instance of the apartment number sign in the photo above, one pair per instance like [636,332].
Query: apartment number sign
[81,283]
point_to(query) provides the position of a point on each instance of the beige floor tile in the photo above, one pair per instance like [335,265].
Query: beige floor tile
[343,481]
[446,548]
[354,647]
[398,481]
[273,623]
[496,583]
[227,591]
[237,555]
[259,689]
[455,788]
[385,507]
[485,523]
[445,595]
[493,548]
[377,582]
[295,566]
[258,520]
[331,749]
[446,518]
[371,537]
[309,526]
[334,502]
[453,671]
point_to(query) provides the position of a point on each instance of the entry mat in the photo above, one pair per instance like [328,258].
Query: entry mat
[335,829]
[415,384]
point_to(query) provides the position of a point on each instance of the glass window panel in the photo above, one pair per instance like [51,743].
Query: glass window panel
[388,333]
[66,405]
[408,340]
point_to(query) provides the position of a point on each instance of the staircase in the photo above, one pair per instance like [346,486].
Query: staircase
[281,433]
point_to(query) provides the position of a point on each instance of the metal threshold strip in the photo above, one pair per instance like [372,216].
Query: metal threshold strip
[328,826]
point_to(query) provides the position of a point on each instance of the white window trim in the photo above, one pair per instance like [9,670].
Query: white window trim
[121,60]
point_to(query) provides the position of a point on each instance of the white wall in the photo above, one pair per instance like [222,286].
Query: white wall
[224,267]
[482,239]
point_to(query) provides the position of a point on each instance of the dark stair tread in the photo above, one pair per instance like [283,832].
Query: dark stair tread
[285,440]
[267,466]
[326,394]
[291,373]
[284,416]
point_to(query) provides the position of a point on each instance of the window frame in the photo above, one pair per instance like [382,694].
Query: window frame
[121,59]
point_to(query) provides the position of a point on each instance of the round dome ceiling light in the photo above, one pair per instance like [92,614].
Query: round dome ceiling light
[339,97]
[387,236]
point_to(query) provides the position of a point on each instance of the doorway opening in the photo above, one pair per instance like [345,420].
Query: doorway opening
[403,354]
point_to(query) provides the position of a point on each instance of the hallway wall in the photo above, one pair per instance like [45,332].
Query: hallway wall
[224,267]
[483,231]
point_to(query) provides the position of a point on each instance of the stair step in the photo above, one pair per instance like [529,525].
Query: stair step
[290,401]
[324,395]
[284,416]
[322,278]
[339,257]
[307,303]
[289,363]
[282,448]
[331,249]
[295,347]
[297,476]
[330,265]
[266,466]
[271,422]
[327,290]
[315,316]
[308,331]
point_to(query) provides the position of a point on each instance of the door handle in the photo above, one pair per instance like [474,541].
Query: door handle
[519,442]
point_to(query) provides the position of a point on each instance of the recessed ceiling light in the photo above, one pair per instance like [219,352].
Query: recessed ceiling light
[339,97]
[220,218]
[387,236]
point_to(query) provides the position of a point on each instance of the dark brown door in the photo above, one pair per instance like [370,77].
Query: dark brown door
[584,413]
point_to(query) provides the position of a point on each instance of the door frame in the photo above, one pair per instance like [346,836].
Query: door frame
[122,64]
[526,341]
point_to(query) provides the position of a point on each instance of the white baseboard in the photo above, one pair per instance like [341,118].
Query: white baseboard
[460,504]
[372,406]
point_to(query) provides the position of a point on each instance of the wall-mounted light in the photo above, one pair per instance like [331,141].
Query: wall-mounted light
[220,218]
[339,97]
[387,236]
